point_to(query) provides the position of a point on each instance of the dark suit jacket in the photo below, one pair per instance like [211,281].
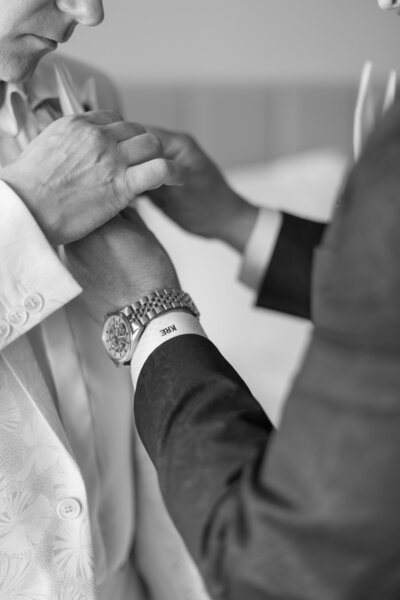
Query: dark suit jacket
[287,283]
[301,514]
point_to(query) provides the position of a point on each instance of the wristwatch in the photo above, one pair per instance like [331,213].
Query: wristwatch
[122,329]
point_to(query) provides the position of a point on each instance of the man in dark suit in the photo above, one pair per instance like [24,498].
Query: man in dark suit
[312,511]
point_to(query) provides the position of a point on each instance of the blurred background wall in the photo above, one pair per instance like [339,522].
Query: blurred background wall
[268,87]
[280,76]
[187,41]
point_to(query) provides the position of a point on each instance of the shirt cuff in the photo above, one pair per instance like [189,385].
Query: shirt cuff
[260,247]
[160,330]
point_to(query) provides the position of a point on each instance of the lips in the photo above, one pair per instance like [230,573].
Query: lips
[58,39]
[47,41]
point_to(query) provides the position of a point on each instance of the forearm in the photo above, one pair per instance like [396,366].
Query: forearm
[277,516]
[236,229]
[200,425]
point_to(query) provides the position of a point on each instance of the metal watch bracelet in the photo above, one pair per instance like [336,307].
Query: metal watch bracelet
[160,301]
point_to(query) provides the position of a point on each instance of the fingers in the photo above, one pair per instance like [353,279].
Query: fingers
[100,117]
[149,169]
[162,134]
[123,130]
[153,174]
[113,122]
[171,141]
[141,148]
[144,166]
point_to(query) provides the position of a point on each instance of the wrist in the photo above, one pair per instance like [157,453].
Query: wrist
[160,274]
[99,305]
[236,229]
[123,329]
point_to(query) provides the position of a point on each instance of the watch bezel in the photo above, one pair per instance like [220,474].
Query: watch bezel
[134,332]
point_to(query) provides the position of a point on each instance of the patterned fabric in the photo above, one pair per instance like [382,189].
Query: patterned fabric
[41,555]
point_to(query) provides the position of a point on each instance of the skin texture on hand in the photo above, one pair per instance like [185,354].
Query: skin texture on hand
[205,205]
[118,264]
[83,170]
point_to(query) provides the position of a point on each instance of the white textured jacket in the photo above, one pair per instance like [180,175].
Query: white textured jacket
[81,515]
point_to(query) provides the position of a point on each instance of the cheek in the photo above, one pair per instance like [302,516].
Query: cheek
[19,54]
[8,50]
[22,16]
[13,15]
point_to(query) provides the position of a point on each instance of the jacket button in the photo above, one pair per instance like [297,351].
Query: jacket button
[5,330]
[33,302]
[17,316]
[69,508]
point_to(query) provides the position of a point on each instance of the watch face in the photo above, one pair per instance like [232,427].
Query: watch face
[117,338]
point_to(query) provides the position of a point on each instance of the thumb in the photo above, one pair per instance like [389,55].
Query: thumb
[153,174]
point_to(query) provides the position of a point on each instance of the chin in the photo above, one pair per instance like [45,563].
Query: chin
[21,70]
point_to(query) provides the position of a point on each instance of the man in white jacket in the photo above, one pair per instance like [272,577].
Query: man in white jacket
[74,523]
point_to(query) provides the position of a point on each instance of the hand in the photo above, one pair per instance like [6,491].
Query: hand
[119,263]
[83,170]
[205,204]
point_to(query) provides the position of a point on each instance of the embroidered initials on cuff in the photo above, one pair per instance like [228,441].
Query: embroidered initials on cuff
[160,330]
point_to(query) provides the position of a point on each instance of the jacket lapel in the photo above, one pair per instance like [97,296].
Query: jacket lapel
[21,361]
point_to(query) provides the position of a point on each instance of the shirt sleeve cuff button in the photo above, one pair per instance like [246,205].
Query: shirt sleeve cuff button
[34,303]
[17,316]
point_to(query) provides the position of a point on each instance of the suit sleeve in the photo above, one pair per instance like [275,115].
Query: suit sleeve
[286,285]
[33,281]
[305,513]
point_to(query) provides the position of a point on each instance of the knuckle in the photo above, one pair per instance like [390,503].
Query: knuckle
[187,140]
[95,135]
[122,188]
[154,144]
[103,116]
[113,115]
[137,128]
[72,121]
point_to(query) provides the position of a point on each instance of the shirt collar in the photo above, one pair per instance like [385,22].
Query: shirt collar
[49,82]
[11,95]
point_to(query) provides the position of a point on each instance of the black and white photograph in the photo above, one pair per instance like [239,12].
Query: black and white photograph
[199,300]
